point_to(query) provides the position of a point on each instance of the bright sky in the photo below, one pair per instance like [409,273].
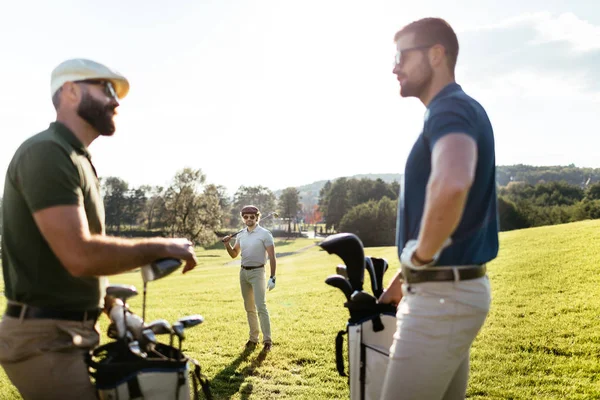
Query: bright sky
[283,93]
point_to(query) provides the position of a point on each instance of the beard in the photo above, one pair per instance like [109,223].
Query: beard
[97,115]
[418,87]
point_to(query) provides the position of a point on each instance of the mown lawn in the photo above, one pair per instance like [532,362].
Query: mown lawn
[541,340]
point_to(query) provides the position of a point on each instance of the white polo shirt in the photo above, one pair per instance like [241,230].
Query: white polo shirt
[254,246]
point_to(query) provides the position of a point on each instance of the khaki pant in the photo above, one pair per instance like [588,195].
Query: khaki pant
[42,360]
[437,323]
[253,284]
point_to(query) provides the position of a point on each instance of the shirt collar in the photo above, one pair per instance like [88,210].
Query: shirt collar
[64,132]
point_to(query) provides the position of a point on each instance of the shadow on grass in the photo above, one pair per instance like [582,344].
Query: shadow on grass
[229,381]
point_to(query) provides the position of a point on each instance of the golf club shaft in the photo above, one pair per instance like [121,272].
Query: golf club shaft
[270,215]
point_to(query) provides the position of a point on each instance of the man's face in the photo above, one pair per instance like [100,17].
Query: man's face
[412,67]
[98,106]
[250,219]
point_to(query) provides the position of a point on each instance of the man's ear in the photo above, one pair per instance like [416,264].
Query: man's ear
[71,93]
[437,55]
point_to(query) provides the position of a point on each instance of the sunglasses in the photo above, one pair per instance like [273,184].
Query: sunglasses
[251,216]
[107,86]
[398,59]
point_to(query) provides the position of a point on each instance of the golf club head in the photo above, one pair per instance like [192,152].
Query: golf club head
[148,336]
[371,269]
[341,270]
[122,292]
[191,320]
[134,347]
[159,269]
[112,331]
[380,265]
[341,283]
[349,248]
[363,297]
[179,329]
[160,327]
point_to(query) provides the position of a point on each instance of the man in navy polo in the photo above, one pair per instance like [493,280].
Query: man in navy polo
[447,223]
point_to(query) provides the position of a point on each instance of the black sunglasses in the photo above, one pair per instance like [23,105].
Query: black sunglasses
[400,53]
[107,86]
[251,216]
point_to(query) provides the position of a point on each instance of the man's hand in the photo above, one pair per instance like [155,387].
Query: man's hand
[393,294]
[183,249]
[410,259]
[226,239]
[271,283]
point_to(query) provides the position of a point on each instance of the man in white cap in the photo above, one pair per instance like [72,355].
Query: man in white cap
[54,249]
[254,243]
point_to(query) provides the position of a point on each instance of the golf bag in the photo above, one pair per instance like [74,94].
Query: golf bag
[371,326]
[163,374]
[369,341]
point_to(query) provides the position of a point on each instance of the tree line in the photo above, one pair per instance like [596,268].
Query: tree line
[531,196]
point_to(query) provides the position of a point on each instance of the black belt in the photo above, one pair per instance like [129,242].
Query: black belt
[441,274]
[256,267]
[14,310]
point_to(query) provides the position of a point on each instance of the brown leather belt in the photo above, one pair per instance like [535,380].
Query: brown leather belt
[255,267]
[14,310]
[442,274]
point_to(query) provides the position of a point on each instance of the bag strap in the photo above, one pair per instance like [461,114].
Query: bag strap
[339,356]
[199,377]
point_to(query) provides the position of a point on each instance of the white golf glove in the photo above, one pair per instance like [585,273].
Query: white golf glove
[271,283]
[409,250]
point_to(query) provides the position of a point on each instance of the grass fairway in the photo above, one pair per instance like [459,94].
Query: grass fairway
[541,340]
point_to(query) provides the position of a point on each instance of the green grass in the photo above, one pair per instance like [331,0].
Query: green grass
[541,340]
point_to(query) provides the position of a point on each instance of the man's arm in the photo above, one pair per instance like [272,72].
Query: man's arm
[233,251]
[272,259]
[66,230]
[453,164]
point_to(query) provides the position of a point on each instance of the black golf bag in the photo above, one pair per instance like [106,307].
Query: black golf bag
[163,374]
[371,326]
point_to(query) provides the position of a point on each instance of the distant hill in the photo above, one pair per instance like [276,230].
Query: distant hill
[505,174]
[309,194]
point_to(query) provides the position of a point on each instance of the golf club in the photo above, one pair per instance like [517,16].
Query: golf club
[380,265]
[162,327]
[122,292]
[350,249]
[341,270]
[270,215]
[186,322]
[134,347]
[157,270]
[178,330]
[371,269]
[363,297]
[147,340]
[341,283]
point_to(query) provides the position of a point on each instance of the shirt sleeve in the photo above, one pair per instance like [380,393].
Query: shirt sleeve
[47,177]
[268,241]
[451,116]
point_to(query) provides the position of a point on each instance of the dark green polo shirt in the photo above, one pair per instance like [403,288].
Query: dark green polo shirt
[52,168]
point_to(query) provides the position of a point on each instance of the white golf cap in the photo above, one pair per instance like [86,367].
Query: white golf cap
[79,69]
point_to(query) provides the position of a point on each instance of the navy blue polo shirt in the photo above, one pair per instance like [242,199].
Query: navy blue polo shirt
[475,240]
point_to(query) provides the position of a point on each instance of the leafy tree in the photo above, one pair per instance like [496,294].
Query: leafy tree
[374,222]
[289,205]
[593,192]
[259,196]
[190,212]
[115,201]
[509,215]
[155,212]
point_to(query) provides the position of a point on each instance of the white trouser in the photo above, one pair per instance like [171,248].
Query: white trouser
[252,282]
[437,323]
